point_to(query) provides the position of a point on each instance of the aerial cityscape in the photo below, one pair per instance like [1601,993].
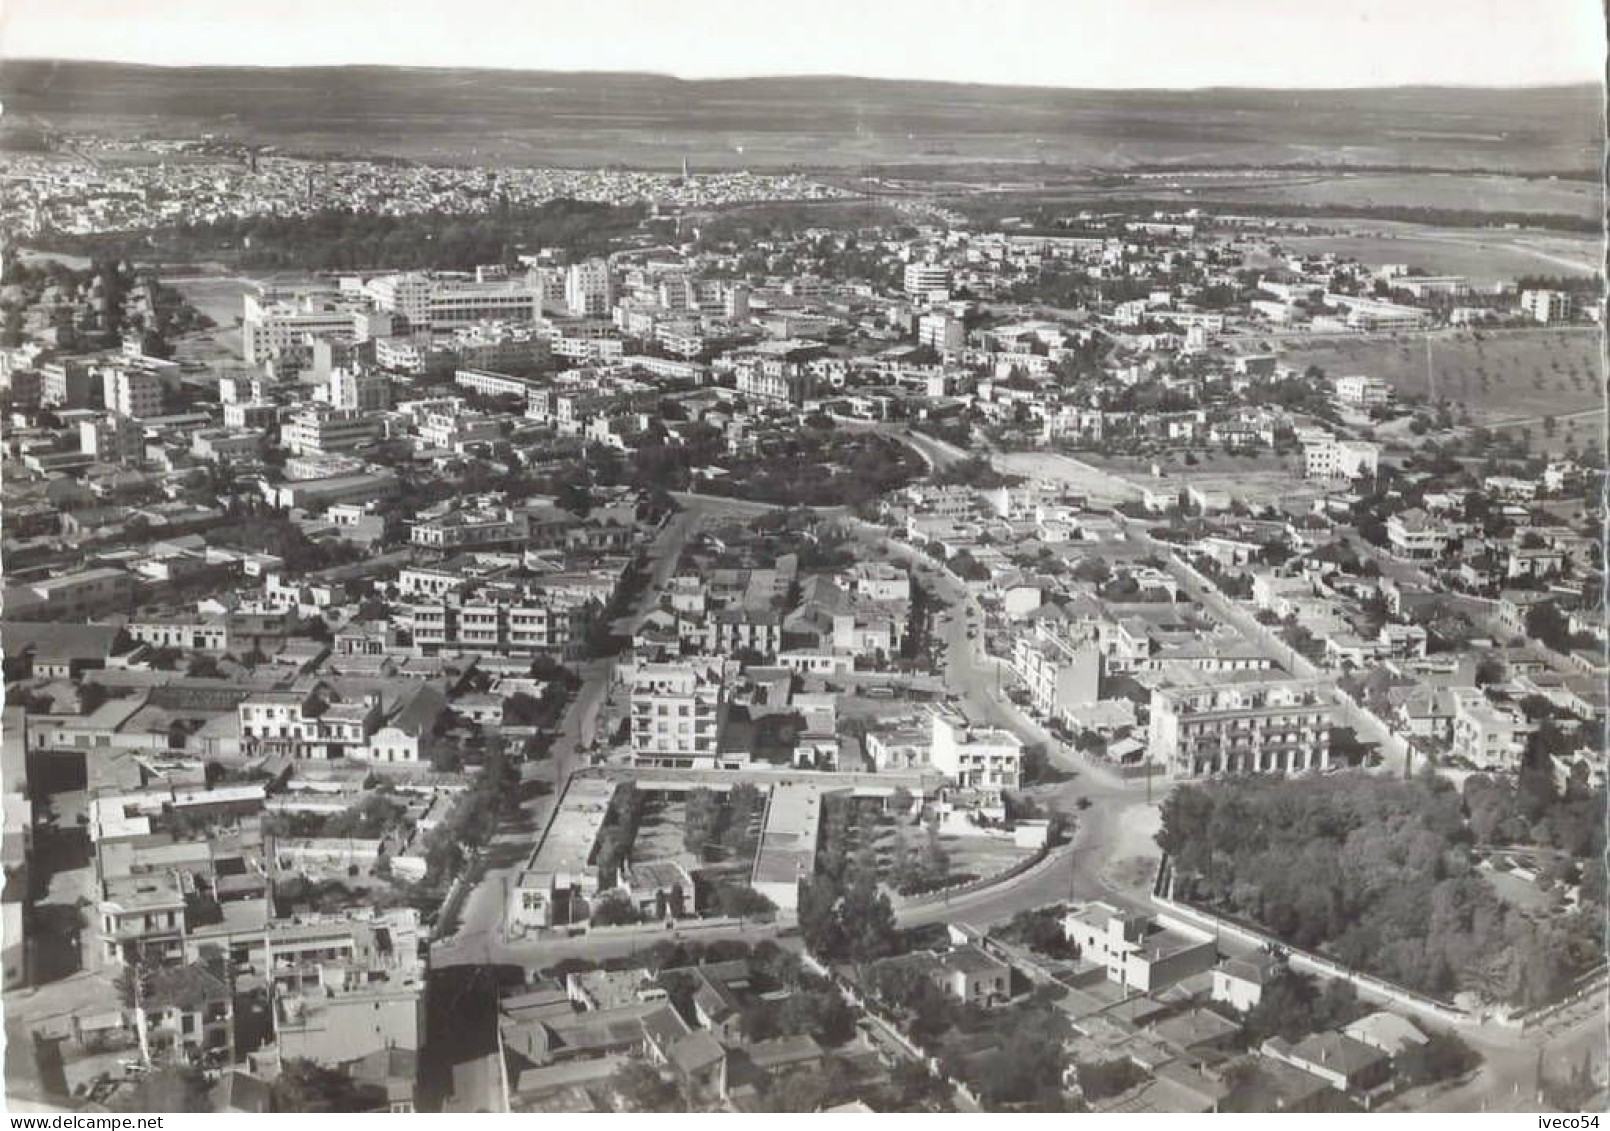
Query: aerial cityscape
[595,592]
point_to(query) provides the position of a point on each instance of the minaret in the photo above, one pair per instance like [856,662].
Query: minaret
[684,166]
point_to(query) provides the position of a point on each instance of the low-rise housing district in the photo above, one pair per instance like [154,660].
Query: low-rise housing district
[463,619]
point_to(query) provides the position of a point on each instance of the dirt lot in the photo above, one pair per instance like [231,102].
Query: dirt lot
[1080,475]
[1251,479]
[1508,378]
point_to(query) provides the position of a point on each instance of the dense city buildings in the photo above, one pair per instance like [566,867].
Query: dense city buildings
[890,639]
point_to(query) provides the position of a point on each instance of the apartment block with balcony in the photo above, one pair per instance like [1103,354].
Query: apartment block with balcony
[1059,671]
[1235,726]
[678,711]
[343,989]
[986,759]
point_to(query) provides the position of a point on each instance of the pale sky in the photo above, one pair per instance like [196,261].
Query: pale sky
[1067,43]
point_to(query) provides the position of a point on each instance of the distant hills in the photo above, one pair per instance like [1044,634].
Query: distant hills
[533,117]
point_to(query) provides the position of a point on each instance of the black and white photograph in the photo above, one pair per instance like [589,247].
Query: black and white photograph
[883,557]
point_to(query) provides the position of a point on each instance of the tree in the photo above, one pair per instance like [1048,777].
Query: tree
[1545,623]
[304,1085]
[819,922]
[173,1088]
[1041,930]
[1100,1080]
[916,1088]
[204,666]
[741,901]
[614,909]
[805,1091]
[1444,1056]
[639,1088]
[867,921]
[1026,1069]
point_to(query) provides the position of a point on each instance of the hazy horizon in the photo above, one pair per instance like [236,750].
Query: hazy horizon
[791,76]
[1176,45]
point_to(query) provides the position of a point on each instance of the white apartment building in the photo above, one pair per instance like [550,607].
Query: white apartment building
[1365,392]
[503,627]
[1058,671]
[1485,734]
[942,332]
[589,289]
[459,304]
[926,279]
[1234,726]
[1415,535]
[489,383]
[678,712]
[407,294]
[359,390]
[1548,306]
[272,325]
[1328,458]
[319,430]
[112,439]
[987,759]
[133,393]
[250,414]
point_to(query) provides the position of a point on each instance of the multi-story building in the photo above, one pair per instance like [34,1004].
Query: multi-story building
[456,304]
[1232,725]
[407,294]
[1329,458]
[497,626]
[678,711]
[1415,535]
[941,331]
[250,414]
[187,1012]
[1548,306]
[442,303]
[926,279]
[1059,671]
[273,325]
[66,383]
[360,391]
[589,289]
[308,724]
[346,988]
[987,759]
[134,393]
[1137,953]
[320,430]
[1485,734]
[489,383]
[457,529]
[111,439]
[1365,392]
[71,596]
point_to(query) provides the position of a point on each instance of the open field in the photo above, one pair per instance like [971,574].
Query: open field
[1252,479]
[591,119]
[1463,192]
[1303,191]
[1100,487]
[1483,255]
[1502,377]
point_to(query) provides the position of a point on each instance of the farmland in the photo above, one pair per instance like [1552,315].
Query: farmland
[1464,192]
[1502,378]
[1482,255]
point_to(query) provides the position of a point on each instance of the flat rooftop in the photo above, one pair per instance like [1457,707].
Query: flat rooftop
[568,841]
[788,839]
